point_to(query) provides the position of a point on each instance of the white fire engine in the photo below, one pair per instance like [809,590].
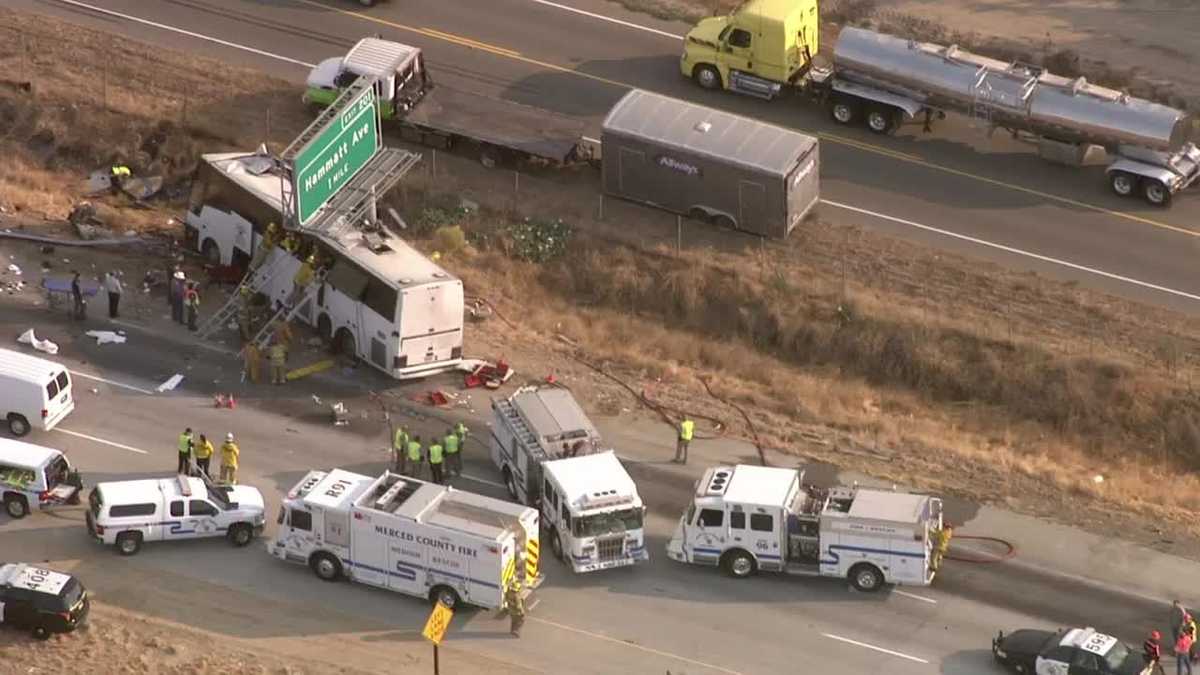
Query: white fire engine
[749,518]
[549,454]
[409,536]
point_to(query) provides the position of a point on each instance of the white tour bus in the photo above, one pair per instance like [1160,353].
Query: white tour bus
[385,303]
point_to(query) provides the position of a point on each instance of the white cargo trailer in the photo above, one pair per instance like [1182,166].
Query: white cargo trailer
[409,536]
[550,454]
[749,518]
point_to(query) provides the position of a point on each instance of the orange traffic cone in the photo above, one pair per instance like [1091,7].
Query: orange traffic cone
[230,403]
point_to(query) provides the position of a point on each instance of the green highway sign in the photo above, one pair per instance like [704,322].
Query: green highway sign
[336,155]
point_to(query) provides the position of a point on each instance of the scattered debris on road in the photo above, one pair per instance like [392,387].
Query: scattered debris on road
[170,384]
[28,338]
[104,337]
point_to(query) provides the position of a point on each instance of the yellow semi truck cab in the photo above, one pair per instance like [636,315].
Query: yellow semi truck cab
[757,49]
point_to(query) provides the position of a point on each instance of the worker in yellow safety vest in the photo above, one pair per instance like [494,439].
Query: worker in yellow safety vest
[453,456]
[399,447]
[278,363]
[117,176]
[686,429]
[436,459]
[414,457]
[229,460]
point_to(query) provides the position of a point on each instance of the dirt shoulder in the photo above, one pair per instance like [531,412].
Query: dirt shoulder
[120,638]
[839,345]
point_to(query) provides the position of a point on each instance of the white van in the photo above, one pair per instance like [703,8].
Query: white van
[127,513]
[34,392]
[35,477]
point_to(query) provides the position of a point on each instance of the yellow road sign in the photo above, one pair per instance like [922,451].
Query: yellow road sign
[439,621]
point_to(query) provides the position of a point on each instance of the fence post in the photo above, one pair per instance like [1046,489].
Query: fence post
[678,234]
[268,138]
[183,115]
[25,59]
[516,190]
[601,206]
[104,84]
[433,164]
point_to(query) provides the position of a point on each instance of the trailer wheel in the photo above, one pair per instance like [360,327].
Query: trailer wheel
[724,222]
[1156,192]
[325,566]
[843,110]
[707,77]
[866,577]
[1122,183]
[738,564]
[445,595]
[881,119]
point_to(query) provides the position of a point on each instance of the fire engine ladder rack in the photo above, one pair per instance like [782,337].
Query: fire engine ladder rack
[522,430]
[286,312]
[256,278]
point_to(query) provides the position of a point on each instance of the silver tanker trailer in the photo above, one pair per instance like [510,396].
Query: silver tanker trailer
[883,81]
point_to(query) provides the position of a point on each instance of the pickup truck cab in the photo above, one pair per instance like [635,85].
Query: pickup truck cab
[127,514]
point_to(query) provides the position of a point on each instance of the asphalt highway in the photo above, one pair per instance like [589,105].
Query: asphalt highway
[955,188]
[651,619]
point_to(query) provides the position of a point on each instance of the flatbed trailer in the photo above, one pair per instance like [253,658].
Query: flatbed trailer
[446,117]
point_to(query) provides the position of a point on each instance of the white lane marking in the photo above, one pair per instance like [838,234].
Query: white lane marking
[114,383]
[101,440]
[198,36]
[601,17]
[864,645]
[1017,251]
[914,596]
[634,645]
[483,480]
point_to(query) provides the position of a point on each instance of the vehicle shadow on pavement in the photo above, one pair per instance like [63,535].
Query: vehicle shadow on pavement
[969,662]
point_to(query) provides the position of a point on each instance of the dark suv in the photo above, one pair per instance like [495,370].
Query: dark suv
[41,601]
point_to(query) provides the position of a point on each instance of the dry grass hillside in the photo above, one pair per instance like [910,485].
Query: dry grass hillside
[840,344]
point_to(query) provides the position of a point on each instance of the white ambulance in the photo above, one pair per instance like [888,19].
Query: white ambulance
[749,518]
[128,513]
[409,536]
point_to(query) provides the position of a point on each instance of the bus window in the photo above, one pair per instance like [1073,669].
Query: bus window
[381,299]
[347,279]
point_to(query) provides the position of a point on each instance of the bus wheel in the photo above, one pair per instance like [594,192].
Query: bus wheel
[343,344]
[738,564]
[866,577]
[212,254]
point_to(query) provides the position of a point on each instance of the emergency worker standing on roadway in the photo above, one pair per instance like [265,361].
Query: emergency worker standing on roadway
[460,430]
[686,429]
[185,451]
[251,362]
[1152,652]
[453,458]
[278,362]
[175,294]
[204,453]
[414,457]
[229,460]
[435,461]
[191,301]
[1183,654]
[516,607]
[399,448]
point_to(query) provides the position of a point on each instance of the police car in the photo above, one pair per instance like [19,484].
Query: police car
[1078,651]
[41,600]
